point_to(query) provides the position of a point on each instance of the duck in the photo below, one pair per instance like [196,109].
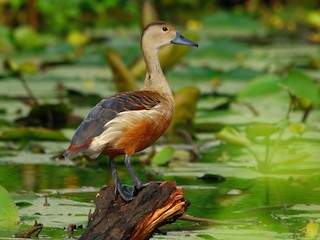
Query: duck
[129,122]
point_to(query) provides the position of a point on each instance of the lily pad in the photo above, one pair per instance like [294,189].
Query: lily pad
[261,86]
[261,130]
[231,135]
[21,133]
[164,156]
[302,86]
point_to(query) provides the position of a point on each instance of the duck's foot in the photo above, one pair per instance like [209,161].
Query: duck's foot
[125,192]
[138,187]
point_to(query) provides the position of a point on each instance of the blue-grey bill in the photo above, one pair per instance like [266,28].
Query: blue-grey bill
[184,41]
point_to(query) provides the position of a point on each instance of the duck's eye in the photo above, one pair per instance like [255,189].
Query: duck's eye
[165,29]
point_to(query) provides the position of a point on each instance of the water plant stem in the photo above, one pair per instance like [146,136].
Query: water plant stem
[33,99]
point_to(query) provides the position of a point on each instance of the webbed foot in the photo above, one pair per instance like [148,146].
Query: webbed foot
[138,187]
[125,192]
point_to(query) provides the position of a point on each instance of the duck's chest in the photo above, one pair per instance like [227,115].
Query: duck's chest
[138,130]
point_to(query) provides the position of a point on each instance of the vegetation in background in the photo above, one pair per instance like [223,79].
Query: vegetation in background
[246,136]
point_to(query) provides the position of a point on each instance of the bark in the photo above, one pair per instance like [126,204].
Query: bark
[154,206]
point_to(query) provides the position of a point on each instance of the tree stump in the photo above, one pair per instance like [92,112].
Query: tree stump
[154,206]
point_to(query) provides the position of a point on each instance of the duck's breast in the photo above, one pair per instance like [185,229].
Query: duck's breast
[135,131]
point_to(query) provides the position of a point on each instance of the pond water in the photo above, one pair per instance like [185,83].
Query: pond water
[247,205]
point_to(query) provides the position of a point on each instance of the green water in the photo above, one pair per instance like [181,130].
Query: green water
[255,204]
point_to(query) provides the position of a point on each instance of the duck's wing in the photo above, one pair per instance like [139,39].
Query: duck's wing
[107,109]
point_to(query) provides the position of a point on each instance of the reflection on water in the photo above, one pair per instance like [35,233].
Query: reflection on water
[258,203]
[36,178]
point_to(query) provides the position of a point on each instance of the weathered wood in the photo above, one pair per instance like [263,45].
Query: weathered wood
[154,206]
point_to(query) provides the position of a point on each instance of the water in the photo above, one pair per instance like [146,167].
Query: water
[259,206]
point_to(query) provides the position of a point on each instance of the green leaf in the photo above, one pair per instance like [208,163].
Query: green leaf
[23,204]
[22,133]
[28,68]
[164,156]
[27,38]
[8,210]
[228,19]
[261,86]
[261,130]
[231,135]
[205,236]
[302,86]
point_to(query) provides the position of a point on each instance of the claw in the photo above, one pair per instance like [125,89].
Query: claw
[138,188]
[125,193]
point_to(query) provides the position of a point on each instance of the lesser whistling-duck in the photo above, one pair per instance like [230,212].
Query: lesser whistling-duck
[129,122]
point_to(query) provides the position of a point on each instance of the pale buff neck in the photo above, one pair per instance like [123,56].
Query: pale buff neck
[155,79]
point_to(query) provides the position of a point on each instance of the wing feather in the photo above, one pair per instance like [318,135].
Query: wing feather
[106,110]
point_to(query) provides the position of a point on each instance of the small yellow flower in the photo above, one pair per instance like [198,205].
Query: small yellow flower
[314,37]
[89,84]
[240,56]
[277,22]
[292,26]
[77,39]
[194,25]
[311,230]
[214,82]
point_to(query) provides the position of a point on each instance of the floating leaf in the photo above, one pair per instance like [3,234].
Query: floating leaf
[164,156]
[261,86]
[230,20]
[23,204]
[302,86]
[261,130]
[231,135]
[22,133]
[8,210]
[205,236]
[212,178]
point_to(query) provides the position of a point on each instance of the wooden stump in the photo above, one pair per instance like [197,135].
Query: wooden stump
[154,206]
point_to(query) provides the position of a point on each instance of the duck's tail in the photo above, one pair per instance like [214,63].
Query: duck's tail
[73,150]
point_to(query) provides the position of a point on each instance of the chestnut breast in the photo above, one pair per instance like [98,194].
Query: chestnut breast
[134,129]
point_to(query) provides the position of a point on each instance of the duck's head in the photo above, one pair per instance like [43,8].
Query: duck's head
[158,34]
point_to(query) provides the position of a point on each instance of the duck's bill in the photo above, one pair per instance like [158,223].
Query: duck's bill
[184,41]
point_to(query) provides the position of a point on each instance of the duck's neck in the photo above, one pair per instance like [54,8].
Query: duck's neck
[155,79]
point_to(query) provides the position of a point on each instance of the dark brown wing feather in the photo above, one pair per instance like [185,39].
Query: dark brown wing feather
[106,110]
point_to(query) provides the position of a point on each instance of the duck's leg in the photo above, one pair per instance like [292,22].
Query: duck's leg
[137,184]
[124,191]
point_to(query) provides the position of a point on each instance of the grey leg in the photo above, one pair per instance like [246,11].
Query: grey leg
[124,191]
[137,184]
